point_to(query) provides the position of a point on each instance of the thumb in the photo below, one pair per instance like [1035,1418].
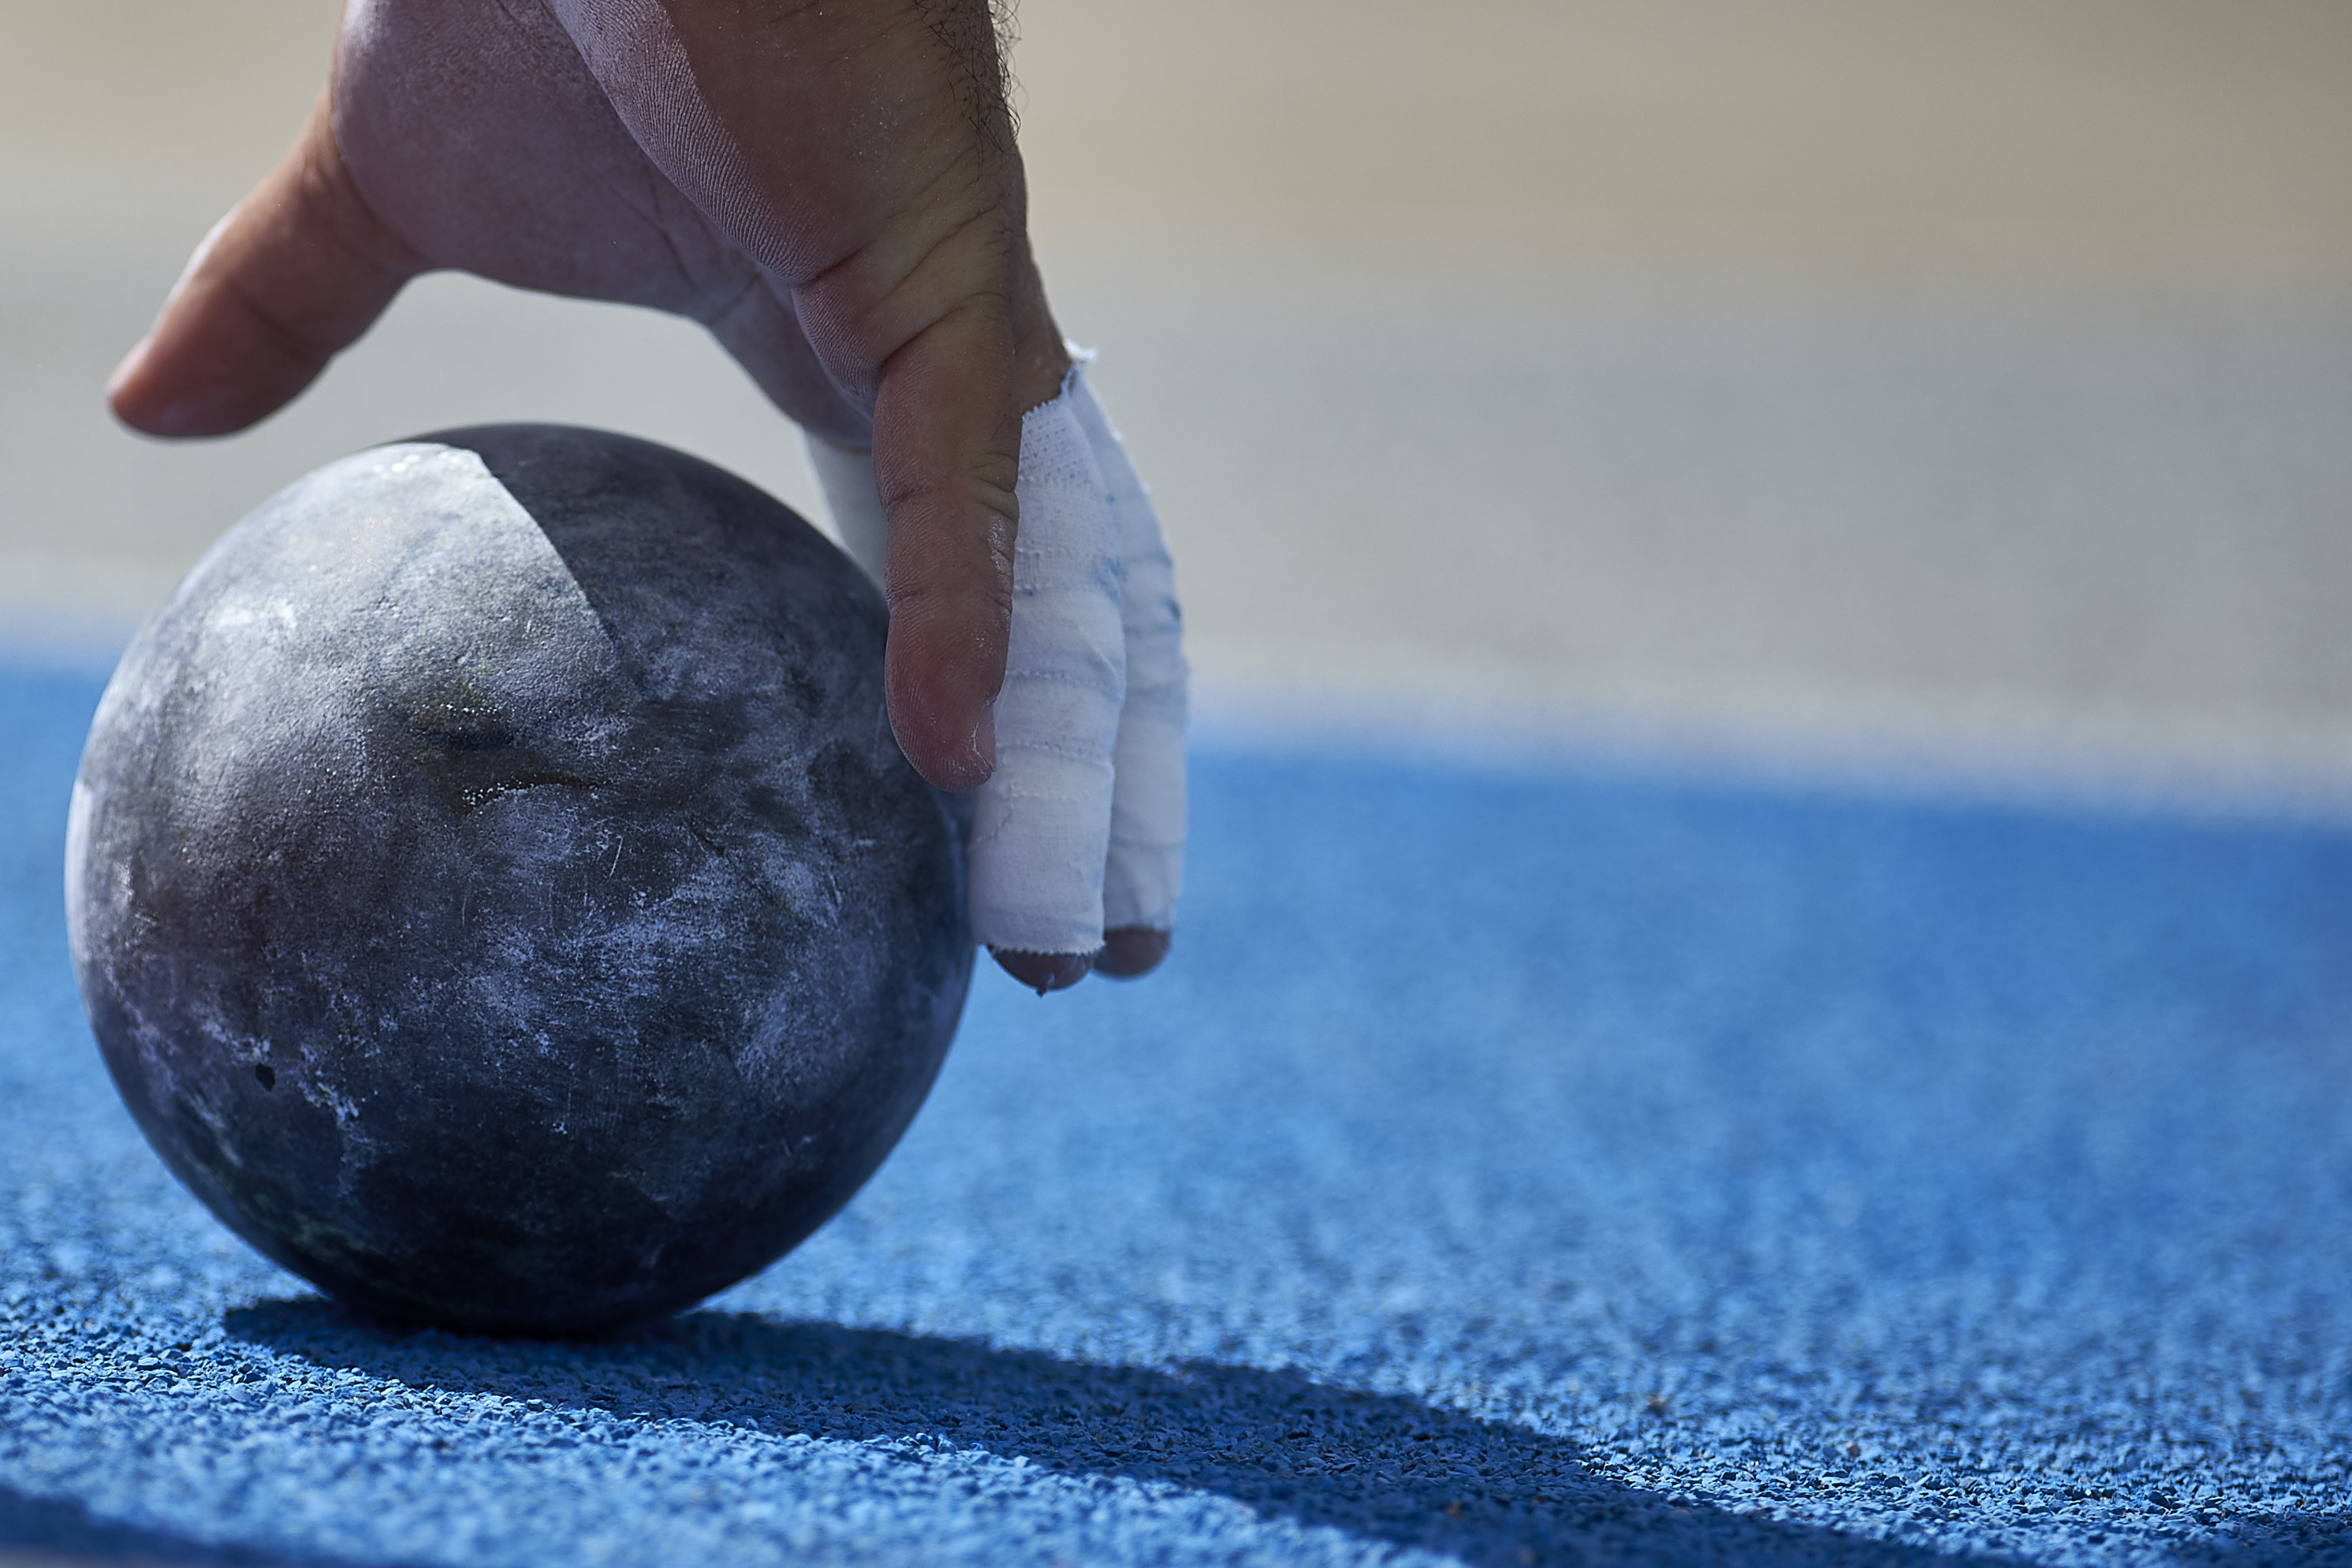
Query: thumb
[288,279]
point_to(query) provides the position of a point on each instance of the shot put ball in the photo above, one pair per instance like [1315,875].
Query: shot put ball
[495,888]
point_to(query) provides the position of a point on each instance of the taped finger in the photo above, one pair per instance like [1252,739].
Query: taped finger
[1042,823]
[1144,874]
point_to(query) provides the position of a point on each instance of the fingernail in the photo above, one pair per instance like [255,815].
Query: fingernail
[970,768]
[1043,972]
[1130,952]
[981,749]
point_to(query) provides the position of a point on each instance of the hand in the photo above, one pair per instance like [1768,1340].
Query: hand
[834,193]
[1082,825]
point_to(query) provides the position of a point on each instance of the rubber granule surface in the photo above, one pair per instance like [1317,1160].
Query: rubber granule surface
[1505,1169]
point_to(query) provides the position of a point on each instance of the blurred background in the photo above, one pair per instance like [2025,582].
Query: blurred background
[1956,393]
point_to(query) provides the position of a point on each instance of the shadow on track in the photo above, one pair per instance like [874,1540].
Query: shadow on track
[50,1532]
[2282,1540]
[1379,1466]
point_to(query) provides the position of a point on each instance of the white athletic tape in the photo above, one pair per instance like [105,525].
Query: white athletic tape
[1041,825]
[1082,827]
[1145,873]
[859,522]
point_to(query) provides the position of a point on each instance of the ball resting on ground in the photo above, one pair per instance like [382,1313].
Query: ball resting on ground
[496,892]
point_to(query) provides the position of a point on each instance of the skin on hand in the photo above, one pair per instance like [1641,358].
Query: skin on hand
[889,198]
[898,209]
[885,194]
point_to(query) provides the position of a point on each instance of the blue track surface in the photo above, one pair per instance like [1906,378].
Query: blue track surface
[1537,1169]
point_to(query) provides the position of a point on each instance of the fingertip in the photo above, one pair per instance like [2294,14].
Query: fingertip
[949,763]
[154,396]
[136,397]
[950,737]
[123,398]
[1130,952]
[1043,972]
